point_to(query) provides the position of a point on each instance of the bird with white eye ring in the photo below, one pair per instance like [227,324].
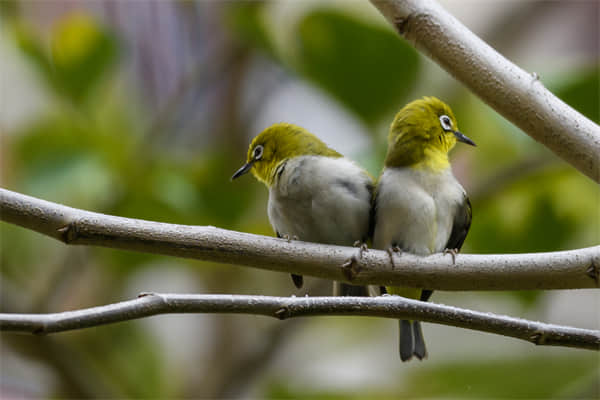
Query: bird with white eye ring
[419,206]
[315,194]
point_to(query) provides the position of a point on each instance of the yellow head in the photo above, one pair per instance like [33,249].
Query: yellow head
[279,143]
[422,134]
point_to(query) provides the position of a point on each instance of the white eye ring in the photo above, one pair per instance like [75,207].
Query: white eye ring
[258,152]
[446,122]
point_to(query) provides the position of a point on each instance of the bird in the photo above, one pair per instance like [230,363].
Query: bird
[315,193]
[419,207]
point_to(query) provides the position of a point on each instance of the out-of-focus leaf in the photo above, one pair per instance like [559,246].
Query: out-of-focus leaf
[223,200]
[127,356]
[544,378]
[535,377]
[81,51]
[366,67]
[31,46]
[8,9]
[245,19]
[535,214]
[583,94]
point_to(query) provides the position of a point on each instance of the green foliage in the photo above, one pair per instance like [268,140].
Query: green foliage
[88,150]
[582,93]
[246,19]
[532,378]
[525,377]
[366,67]
[80,52]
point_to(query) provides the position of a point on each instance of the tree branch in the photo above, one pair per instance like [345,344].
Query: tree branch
[517,95]
[557,270]
[396,307]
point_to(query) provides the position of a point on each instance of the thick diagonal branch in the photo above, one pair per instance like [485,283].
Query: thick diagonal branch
[558,270]
[517,95]
[288,307]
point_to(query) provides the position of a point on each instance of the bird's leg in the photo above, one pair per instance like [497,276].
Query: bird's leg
[453,253]
[391,250]
[289,238]
[349,269]
[362,247]
[348,265]
[298,280]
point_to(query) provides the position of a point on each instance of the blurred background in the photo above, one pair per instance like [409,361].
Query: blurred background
[144,109]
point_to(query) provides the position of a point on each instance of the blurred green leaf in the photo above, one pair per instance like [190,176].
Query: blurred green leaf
[80,53]
[31,46]
[127,356]
[583,93]
[245,19]
[535,377]
[536,214]
[8,9]
[366,67]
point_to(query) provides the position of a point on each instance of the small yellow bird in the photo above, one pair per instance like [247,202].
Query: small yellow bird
[419,205]
[315,194]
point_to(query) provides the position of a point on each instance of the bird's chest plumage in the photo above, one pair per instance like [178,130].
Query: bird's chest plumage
[321,199]
[415,209]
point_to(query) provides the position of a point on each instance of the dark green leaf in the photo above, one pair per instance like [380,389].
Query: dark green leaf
[367,67]
[583,94]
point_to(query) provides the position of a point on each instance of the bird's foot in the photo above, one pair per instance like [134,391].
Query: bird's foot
[362,247]
[349,268]
[298,280]
[453,253]
[289,238]
[391,251]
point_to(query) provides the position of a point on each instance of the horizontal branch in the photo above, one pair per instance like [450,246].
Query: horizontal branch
[288,307]
[516,94]
[557,270]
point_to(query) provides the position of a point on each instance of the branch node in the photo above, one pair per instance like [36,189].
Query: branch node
[68,233]
[282,313]
[593,272]
[362,247]
[538,338]
[350,268]
[453,253]
[41,331]
[401,23]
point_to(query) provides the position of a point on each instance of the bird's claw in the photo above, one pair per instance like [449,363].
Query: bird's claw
[349,269]
[391,251]
[362,247]
[453,253]
[289,238]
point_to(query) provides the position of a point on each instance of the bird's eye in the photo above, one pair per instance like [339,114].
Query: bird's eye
[258,152]
[446,123]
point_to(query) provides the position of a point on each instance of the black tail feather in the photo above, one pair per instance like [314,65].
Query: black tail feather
[344,289]
[411,340]
[298,280]
[406,340]
[420,351]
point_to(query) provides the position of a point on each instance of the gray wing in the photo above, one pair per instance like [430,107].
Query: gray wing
[461,225]
[460,228]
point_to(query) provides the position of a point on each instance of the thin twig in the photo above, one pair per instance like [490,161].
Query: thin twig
[516,94]
[396,307]
[556,270]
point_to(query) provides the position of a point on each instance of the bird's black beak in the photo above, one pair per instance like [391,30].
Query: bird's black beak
[462,138]
[245,168]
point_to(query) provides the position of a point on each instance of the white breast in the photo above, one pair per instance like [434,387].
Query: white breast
[321,199]
[415,209]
